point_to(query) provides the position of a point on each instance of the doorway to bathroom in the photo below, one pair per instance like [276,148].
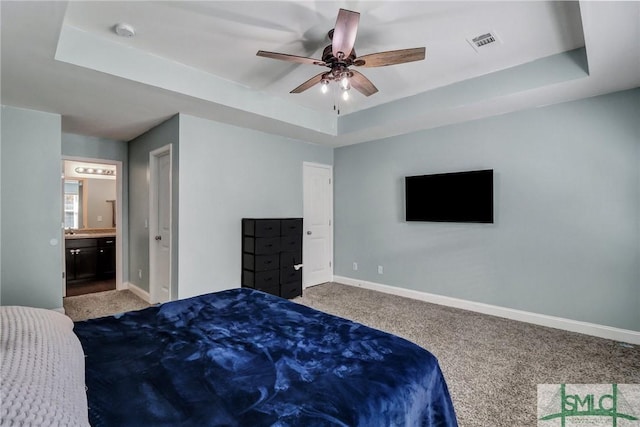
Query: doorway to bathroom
[92,220]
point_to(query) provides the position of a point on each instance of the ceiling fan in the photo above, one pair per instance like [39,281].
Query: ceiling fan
[340,55]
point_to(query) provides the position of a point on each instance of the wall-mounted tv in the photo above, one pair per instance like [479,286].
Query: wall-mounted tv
[450,197]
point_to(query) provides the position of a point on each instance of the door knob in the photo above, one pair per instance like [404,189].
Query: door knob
[309,233]
[158,237]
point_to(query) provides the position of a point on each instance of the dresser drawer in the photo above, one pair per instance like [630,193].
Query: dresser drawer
[287,259]
[290,274]
[273,290]
[291,290]
[262,245]
[261,279]
[291,227]
[260,262]
[291,243]
[261,227]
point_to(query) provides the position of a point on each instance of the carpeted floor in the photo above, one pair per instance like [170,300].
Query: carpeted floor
[100,304]
[492,365]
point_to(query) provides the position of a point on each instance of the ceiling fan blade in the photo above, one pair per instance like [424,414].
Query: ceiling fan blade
[391,57]
[362,84]
[344,33]
[290,58]
[311,82]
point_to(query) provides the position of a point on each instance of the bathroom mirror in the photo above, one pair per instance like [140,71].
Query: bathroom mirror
[89,202]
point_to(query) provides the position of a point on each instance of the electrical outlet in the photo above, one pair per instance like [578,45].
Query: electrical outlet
[140,274]
[99,217]
[355,266]
[380,270]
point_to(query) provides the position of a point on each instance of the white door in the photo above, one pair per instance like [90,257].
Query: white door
[160,226]
[317,242]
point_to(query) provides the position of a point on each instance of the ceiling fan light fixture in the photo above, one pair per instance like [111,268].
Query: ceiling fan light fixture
[341,54]
[344,83]
[324,85]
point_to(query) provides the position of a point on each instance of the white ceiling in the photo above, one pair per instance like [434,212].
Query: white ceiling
[199,58]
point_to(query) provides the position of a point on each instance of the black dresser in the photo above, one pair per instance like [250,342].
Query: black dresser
[272,255]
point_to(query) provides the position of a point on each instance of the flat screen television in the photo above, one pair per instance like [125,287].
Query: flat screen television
[450,197]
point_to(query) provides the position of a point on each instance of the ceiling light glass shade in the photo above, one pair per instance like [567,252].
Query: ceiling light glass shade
[324,87]
[345,95]
[344,83]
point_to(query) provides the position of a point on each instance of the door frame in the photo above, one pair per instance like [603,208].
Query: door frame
[120,273]
[153,218]
[331,248]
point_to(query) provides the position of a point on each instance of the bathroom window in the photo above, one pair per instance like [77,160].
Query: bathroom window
[72,203]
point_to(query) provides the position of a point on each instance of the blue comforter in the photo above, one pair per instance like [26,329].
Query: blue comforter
[245,358]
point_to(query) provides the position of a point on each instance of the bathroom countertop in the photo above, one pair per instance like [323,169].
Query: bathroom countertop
[90,234]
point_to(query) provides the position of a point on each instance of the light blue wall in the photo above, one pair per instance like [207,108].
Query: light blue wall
[90,147]
[227,173]
[138,159]
[566,239]
[31,208]
[93,147]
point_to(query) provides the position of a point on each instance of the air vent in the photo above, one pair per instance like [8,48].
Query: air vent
[484,40]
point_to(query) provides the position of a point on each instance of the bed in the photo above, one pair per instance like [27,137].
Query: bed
[245,358]
[41,370]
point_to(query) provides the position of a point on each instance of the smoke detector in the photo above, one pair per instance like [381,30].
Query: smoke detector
[484,40]
[124,30]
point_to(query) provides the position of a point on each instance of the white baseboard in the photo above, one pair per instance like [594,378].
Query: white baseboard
[602,331]
[138,291]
